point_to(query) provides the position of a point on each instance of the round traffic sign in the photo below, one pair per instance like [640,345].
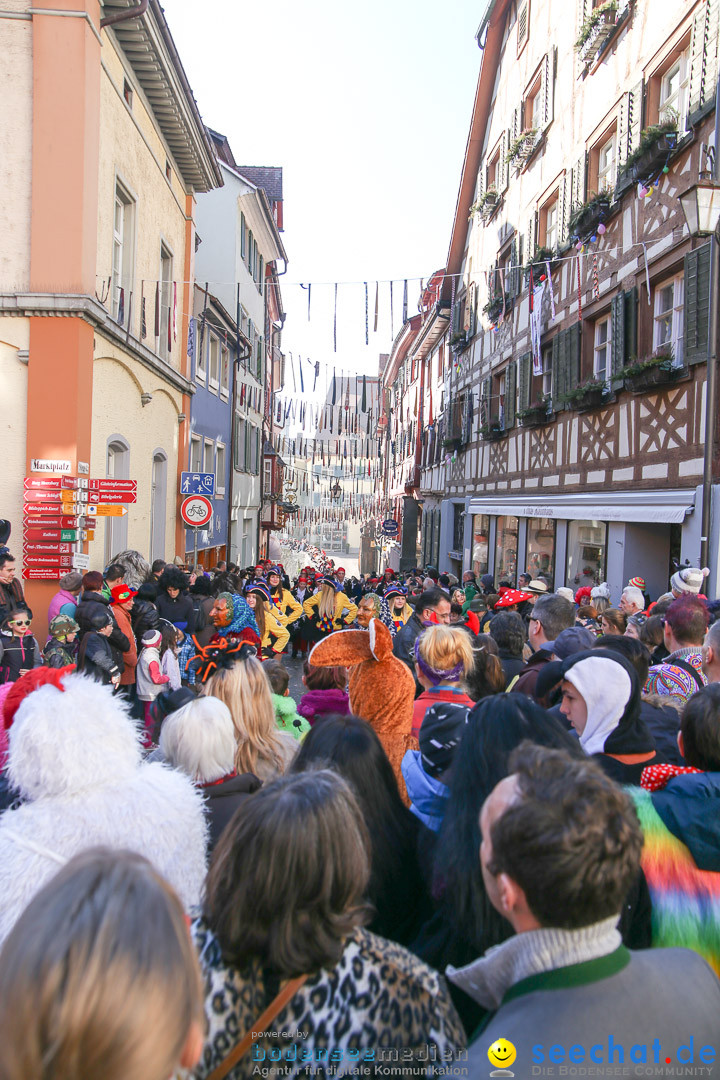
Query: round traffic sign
[196,511]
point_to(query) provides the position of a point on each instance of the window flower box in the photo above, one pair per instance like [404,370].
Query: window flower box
[493,429]
[588,396]
[494,307]
[536,415]
[596,30]
[657,370]
[657,143]
[459,341]
[538,264]
[487,204]
[521,149]
[585,219]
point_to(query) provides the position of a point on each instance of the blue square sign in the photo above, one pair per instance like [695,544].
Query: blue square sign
[193,483]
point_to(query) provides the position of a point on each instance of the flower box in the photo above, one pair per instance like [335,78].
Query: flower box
[522,148]
[656,146]
[586,218]
[538,264]
[656,371]
[535,416]
[588,396]
[459,341]
[494,308]
[494,429]
[598,33]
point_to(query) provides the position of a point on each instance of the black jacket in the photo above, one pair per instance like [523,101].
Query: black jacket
[404,641]
[663,722]
[144,617]
[222,800]
[96,657]
[91,604]
[11,596]
[178,611]
[18,653]
[512,666]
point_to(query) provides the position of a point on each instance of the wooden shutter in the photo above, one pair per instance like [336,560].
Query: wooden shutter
[513,277]
[503,179]
[631,316]
[697,304]
[480,182]
[524,382]
[457,317]
[577,185]
[532,235]
[572,355]
[635,116]
[510,391]
[703,59]
[617,332]
[564,208]
[547,89]
[558,370]
[485,400]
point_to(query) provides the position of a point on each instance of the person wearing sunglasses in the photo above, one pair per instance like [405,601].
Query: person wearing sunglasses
[19,650]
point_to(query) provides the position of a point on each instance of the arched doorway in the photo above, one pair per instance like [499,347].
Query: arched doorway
[158,503]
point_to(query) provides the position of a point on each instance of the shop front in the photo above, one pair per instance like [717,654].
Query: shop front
[584,539]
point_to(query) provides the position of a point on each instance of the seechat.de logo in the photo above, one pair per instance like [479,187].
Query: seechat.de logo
[501,1054]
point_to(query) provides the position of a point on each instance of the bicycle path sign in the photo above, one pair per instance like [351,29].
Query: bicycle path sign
[192,483]
[196,511]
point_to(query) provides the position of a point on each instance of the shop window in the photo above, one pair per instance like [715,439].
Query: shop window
[668,317]
[480,549]
[587,552]
[458,527]
[602,347]
[506,547]
[541,548]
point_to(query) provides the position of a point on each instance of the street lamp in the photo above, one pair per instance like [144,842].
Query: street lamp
[335,491]
[701,207]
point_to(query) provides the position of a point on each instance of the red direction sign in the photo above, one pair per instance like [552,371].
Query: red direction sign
[43,575]
[55,521]
[51,483]
[48,560]
[113,485]
[43,497]
[196,511]
[47,549]
[110,497]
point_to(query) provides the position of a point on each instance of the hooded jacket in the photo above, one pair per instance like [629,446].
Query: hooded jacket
[76,760]
[321,702]
[287,717]
[428,796]
[615,732]
[681,861]
[91,604]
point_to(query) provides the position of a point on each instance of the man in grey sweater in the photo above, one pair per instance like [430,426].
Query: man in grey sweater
[560,850]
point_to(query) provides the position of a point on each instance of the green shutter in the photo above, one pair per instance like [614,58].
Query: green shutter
[635,116]
[513,279]
[572,355]
[504,178]
[485,400]
[697,304]
[703,60]
[565,200]
[510,391]
[617,333]
[631,314]
[558,370]
[524,382]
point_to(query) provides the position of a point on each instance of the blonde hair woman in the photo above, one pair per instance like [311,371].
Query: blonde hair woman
[274,635]
[328,610]
[99,978]
[242,685]
[444,658]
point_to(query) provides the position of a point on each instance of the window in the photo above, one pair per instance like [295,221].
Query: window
[480,552]
[224,370]
[492,175]
[523,24]
[606,164]
[122,257]
[214,362]
[261,275]
[166,300]
[548,225]
[195,454]
[668,317]
[250,243]
[259,358]
[267,477]
[220,469]
[127,93]
[158,501]
[533,115]
[674,91]
[254,450]
[200,352]
[586,547]
[546,355]
[117,468]
[506,545]
[209,457]
[601,360]
[541,547]
[255,262]
[243,236]
[239,444]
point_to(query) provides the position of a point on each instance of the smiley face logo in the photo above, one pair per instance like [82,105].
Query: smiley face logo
[501,1054]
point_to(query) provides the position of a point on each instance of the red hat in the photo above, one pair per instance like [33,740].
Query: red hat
[121,594]
[389,571]
[510,597]
[341,569]
[302,578]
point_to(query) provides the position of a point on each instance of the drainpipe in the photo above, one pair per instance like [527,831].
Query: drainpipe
[122,16]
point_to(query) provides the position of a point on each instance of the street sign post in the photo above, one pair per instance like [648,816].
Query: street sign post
[197,484]
[104,510]
[196,511]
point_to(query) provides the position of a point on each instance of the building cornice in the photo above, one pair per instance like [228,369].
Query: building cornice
[78,306]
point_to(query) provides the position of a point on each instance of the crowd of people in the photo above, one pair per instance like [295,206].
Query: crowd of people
[491,820]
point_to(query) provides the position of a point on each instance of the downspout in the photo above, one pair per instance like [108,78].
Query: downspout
[122,16]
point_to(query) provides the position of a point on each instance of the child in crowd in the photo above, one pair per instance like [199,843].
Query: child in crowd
[286,714]
[327,692]
[149,677]
[169,666]
[96,657]
[62,646]
[19,650]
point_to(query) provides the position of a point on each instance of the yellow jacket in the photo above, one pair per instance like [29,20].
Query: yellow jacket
[280,608]
[276,635]
[341,602]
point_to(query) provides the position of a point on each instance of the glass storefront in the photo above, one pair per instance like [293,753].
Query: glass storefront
[506,550]
[586,553]
[480,550]
[541,549]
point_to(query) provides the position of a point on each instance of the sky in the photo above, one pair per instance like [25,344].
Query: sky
[367,109]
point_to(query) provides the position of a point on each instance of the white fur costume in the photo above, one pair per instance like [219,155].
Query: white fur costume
[75,757]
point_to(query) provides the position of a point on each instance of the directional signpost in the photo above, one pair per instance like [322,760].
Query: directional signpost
[196,511]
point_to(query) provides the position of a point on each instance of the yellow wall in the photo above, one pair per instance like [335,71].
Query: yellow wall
[15,149]
[14,335]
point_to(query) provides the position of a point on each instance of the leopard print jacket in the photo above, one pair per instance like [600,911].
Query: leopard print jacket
[381,1011]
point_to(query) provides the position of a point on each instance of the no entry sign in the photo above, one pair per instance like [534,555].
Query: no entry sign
[196,511]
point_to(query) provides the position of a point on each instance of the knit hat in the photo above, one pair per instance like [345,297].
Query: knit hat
[394,590]
[327,580]
[71,581]
[121,594]
[537,587]
[510,597]
[688,580]
[601,592]
[440,732]
[61,626]
[567,594]
[151,639]
[637,583]
[261,588]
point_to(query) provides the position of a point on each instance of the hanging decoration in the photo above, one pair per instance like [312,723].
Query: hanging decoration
[335,321]
[595,277]
[367,315]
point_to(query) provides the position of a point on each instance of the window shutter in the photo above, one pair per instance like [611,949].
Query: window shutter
[457,317]
[617,332]
[703,59]
[485,400]
[516,123]
[524,382]
[564,208]
[635,116]
[572,355]
[697,304]
[631,313]
[547,89]
[510,390]
[513,283]
[532,235]
[504,165]
[480,183]
[522,23]
[558,370]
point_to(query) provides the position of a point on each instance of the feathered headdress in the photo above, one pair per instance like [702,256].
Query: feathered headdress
[219,655]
